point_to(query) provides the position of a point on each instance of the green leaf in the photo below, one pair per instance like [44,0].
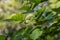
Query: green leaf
[25,7]
[49,37]
[40,12]
[2,37]
[36,1]
[18,35]
[18,17]
[56,9]
[50,16]
[36,34]
[22,33]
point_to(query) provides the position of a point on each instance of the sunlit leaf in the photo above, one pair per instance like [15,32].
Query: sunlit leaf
[36,34]
[18,17]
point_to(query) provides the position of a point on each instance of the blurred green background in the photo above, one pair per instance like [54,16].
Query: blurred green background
[29,19]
